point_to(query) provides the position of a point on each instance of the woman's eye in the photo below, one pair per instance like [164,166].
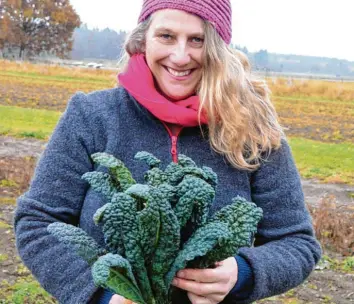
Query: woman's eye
[166,36]
[197,40]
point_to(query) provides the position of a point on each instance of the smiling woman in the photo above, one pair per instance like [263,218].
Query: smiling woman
[182,90]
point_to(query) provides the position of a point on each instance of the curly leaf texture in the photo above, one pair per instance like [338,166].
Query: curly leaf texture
[113,272]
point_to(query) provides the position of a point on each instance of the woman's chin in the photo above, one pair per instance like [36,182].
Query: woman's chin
[174,96]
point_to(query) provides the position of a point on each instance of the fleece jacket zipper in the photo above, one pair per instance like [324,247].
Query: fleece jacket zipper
[174,139]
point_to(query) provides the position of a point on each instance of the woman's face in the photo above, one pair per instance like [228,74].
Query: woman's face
[174,47]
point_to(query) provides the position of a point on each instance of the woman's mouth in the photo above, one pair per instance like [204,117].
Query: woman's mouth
[175,73]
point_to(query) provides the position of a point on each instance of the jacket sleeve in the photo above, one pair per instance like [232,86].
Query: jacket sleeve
[285,249]
[56,193]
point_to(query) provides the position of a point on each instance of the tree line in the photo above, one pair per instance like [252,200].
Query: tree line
[97,44]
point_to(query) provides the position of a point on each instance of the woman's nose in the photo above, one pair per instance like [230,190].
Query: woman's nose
[180,55]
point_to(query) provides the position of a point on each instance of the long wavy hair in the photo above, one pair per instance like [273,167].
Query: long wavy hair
[242,122]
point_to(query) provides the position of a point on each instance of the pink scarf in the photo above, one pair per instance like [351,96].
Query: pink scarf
[139,82]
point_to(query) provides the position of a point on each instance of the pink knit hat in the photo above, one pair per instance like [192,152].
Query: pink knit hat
[218,12]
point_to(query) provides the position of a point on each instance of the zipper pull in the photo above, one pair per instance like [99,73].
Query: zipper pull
[174,149]
[174,145]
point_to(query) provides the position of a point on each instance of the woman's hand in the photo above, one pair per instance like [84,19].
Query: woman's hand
[116,299]
[208,286]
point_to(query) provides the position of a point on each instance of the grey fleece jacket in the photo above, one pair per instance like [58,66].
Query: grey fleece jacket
[285,250]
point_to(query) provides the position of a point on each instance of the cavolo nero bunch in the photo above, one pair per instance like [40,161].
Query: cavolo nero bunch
[142,226]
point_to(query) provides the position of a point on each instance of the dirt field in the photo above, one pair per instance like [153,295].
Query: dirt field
[329,283]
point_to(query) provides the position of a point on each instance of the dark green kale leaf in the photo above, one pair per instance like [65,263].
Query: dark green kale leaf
[126,208]
[195,198]
[114,273]
[200,243]
[167,244]
[118,171]
[101,183]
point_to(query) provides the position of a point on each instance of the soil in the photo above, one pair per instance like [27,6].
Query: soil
[325,285]
[10,147]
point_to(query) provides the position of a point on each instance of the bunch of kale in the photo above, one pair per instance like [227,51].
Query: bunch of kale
[142,226]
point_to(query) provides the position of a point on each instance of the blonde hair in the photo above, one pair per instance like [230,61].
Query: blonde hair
[242,122]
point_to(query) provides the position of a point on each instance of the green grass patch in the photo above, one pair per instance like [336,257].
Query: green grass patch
[4,257]
[4,225]
[23,122]
[328,162]
[25,290]
[346,265]
[8,183]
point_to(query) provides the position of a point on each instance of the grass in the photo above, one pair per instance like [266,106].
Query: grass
[345,265]
[46,92]
[25,290]
[333,225]
[21,122]
[321,120]
[311,99]
[3,258]
[4,225]
[8,183]
[64,78]
[15,176]
[329,90]
[30,69]
[328,162]
[7,201]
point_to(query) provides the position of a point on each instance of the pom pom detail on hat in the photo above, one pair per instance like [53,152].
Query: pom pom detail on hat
[218,12]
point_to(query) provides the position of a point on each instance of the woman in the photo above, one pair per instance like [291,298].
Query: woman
[183,90]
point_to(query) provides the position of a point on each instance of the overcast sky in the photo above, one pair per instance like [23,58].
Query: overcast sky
[304,27]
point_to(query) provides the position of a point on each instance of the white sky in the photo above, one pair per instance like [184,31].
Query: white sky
[303,27]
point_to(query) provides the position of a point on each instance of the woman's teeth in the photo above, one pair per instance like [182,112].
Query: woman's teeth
[179,74]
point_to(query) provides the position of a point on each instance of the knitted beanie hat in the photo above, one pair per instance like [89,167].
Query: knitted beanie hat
[218,12]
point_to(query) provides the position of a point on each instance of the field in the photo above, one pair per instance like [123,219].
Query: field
[318,117]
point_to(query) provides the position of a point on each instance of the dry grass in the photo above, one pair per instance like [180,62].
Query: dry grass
[314,109]
[15,175]
[317,120]
[334,225]
[54,70]
[43,93]
[323,90]
[48,86]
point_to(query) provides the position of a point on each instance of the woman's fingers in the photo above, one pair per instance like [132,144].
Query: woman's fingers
[195,299]
[117,299]
[207,275]
[197,288]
